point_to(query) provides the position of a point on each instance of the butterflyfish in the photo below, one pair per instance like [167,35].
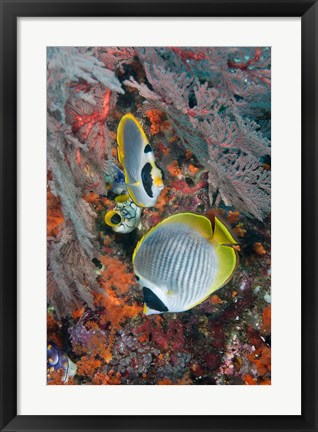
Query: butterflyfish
[125,217]
[182,260]
[143,177]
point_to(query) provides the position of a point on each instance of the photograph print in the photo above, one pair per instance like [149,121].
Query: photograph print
[158,215]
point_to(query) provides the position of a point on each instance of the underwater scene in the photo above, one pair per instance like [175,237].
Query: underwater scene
[158,216]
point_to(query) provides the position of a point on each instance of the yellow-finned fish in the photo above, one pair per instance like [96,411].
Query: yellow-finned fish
[125,217]
[182,260]
[144,179]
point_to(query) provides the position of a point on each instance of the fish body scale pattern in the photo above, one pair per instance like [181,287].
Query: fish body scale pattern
[180,260]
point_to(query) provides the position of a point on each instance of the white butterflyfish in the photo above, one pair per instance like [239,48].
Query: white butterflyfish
[143,177]
[182,260]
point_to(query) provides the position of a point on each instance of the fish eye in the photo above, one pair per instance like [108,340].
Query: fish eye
[115,219]
[152,301]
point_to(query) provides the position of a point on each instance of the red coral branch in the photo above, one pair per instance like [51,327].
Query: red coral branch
[87,117]
[188,55]
[96,117]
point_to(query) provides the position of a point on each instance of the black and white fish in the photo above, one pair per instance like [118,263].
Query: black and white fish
[183,260]
[143,177]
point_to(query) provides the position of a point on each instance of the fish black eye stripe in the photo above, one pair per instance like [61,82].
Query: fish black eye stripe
[147,180]
[153,302]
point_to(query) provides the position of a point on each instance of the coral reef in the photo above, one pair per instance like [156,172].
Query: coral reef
[214,103]
[207,114]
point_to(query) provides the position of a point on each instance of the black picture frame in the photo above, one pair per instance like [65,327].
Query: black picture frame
[10,11]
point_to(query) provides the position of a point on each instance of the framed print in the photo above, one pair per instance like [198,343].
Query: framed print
[158,215]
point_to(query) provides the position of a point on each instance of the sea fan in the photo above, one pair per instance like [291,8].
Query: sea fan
[81,87]
[207,95]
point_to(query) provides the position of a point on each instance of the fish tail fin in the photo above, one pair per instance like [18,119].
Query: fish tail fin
[221,234]
[223,243]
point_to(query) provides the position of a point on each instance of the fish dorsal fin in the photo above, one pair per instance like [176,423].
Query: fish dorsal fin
[195,221]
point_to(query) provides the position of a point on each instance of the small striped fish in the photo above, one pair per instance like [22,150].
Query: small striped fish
[182,260]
